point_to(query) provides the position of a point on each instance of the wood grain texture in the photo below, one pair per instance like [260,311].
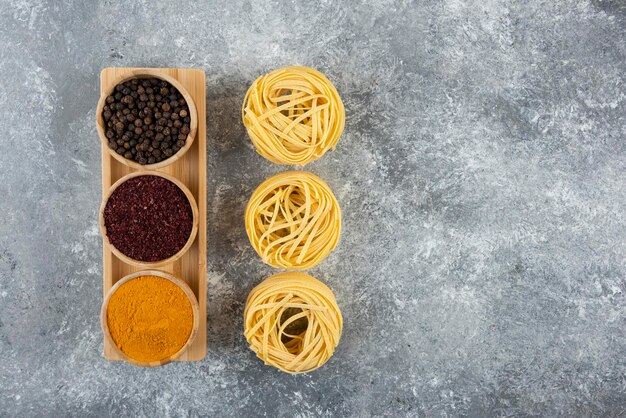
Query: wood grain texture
[190,169]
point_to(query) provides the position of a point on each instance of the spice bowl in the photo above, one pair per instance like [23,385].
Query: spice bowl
[180,284]
[143,74]
[180,249]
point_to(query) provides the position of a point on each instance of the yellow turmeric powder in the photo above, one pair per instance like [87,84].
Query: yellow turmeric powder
[149,318]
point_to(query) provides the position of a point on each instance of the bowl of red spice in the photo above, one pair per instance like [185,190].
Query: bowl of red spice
[146,120]
[150,318]
[148,219]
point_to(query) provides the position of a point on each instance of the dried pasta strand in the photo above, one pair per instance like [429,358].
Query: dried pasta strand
[264,331]
[293,115]
[293,220]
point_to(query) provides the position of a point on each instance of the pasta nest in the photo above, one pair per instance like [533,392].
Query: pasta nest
[293,115]
[293,220]
[292,322]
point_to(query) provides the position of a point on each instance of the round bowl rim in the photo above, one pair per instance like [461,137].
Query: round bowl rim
[148,73]
[194,309]
[150,264]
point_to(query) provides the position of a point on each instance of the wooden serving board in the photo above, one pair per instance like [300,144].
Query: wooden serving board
[190,170]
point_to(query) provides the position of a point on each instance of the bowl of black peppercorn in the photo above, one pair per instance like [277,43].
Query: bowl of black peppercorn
[146,120]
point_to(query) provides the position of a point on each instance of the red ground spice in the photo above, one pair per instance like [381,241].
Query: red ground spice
[148,218]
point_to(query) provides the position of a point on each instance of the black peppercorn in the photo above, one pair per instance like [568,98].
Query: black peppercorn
[146,120]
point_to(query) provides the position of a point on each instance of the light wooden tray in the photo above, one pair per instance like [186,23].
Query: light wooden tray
[190,169]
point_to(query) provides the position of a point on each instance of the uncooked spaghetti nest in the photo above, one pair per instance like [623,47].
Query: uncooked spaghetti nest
[293,220]
[293,115]
[292,322]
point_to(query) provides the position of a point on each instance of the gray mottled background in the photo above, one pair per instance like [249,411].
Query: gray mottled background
[481,175]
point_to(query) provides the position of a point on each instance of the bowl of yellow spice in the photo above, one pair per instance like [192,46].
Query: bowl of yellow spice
[150,318]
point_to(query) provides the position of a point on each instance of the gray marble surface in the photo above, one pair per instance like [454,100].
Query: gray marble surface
[482,180]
